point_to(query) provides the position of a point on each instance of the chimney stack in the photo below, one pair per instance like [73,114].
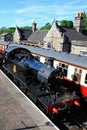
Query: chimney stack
[78,22]
[34,26]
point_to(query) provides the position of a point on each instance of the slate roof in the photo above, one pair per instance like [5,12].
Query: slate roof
[4,34]
[38,35]
[4,43]
[73,59]
[80,43]
[24,33]
[72,34]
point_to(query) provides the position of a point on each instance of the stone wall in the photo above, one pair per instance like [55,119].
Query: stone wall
[16,36]
[78,47]
[55,37]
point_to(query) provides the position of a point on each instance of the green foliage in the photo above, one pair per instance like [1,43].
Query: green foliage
[26,28]
[84,21]
[11,30]
[66,23]
[7,30]
[46,27]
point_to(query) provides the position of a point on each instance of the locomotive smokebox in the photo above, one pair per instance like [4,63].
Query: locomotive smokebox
[44,73]
[49,61]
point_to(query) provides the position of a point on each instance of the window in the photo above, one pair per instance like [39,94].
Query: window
[77,70]
[8,38]
[77,74]
[80,71]
[86,78]
[63,68]
[49,45]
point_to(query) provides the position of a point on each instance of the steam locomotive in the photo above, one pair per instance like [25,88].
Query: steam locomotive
[40,82]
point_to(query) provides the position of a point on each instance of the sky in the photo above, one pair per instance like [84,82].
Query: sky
[24,12]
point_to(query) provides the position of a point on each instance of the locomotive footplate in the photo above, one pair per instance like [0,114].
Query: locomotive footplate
[55,102]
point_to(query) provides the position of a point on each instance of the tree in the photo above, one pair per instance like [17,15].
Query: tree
[46,27]
[84,21]
[7,30]
[66,23]
[10,30]
[27,28]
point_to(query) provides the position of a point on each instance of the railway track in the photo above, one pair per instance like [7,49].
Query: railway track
[79,116]
[74,118]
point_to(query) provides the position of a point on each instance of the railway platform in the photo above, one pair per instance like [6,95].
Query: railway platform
[17,112]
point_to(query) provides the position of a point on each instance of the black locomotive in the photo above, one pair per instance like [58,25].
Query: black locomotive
[1,59]
[40,82]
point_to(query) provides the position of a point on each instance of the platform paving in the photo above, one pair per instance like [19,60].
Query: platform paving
[17,112]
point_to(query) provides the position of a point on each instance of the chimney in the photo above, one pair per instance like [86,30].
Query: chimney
[78,22]
[55,22]
[34,26]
